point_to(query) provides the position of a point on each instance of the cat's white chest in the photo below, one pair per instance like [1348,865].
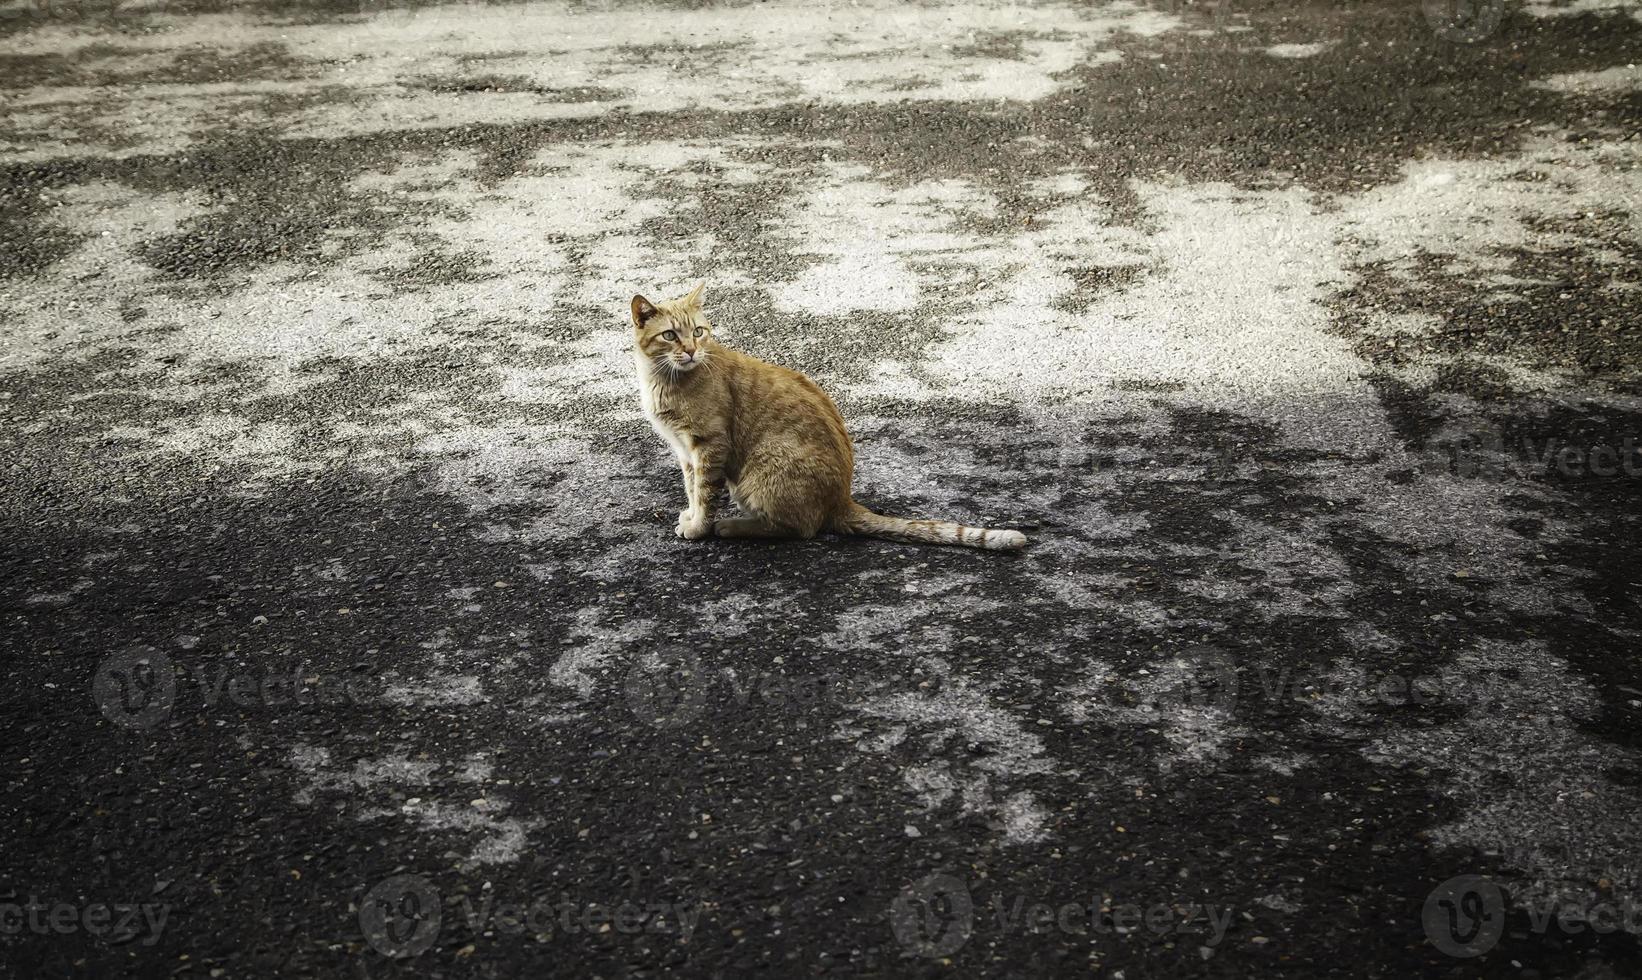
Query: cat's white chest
[649,399]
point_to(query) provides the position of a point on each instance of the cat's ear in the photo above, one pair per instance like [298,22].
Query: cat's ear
[643,310]
[694,297]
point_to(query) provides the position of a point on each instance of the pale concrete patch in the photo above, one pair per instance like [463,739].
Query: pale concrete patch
[1161,698]
[575,61]
[591,644]
[379,788]
[1473,210]
[1560,820]
[1234,313]
[1619,78]
[955,716]
[1311,50]
[449,690]
[78,304]
[872,240]
[1569,8]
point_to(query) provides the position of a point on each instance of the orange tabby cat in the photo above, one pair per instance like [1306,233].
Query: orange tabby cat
[768,433]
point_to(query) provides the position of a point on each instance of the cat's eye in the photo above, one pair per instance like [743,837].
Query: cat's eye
[700,331]
[669,336]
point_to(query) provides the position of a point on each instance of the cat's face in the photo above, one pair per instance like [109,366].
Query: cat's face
[675,334]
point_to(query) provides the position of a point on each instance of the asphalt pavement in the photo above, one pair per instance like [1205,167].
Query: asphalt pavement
[346,634]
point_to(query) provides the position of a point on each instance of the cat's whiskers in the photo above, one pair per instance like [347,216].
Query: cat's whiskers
[676,367]
[664,360]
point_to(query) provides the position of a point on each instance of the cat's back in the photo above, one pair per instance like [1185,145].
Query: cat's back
[771,397]
[775,386]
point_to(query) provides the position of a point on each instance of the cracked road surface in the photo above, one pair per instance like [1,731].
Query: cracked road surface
[345,632]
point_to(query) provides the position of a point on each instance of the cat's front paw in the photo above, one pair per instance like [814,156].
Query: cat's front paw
[692,526]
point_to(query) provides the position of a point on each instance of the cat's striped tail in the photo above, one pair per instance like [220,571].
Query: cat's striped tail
[859,520]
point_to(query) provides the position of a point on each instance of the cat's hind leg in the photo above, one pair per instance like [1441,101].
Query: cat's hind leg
[781,499]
